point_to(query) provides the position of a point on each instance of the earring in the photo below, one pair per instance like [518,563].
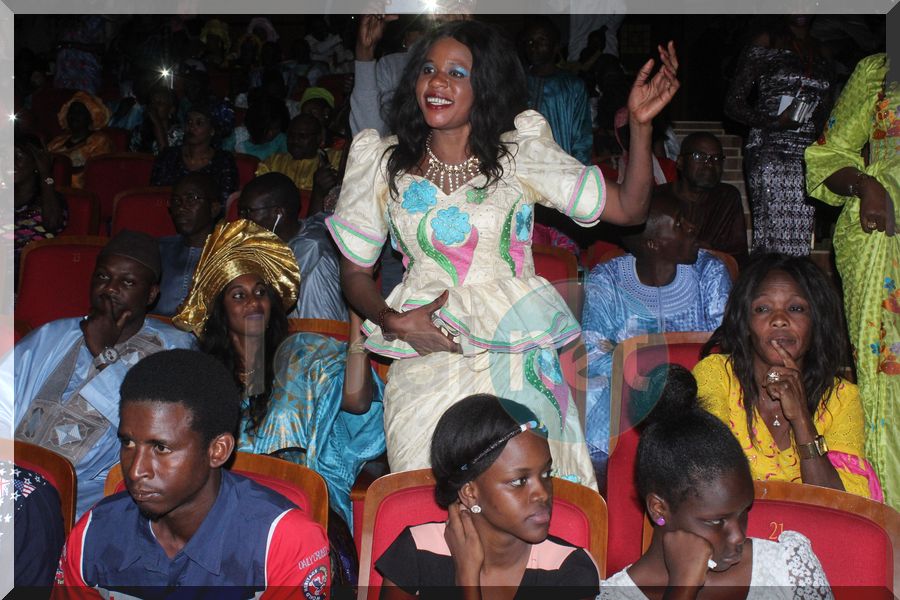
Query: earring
[660,521]
[475,509]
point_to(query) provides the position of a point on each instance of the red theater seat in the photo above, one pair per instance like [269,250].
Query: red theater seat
[55,277]
[111,174]
[143,209]
[398,500]
[83,210]
[633,359]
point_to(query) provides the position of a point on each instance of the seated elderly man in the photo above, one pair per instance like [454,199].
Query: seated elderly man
[67,373]
[664,284]
[184,521]
[194,206]
[714,207]
[273,201]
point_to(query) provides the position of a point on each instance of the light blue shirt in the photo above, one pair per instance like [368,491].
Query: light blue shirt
[40,353]
[320,294]
[618,306]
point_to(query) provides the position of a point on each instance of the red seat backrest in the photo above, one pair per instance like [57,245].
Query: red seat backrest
[560,268]
[54,279]
[121,138]
[83,212]
[416,505]
[111,174]
[595,251]
[626,510]
[143,209]
[61,167]
[246,166]
[853,550]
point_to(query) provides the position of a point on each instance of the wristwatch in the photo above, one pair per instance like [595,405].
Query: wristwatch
[107,356]
[814,449]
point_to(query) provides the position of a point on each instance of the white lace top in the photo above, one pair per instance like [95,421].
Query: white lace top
[783,570]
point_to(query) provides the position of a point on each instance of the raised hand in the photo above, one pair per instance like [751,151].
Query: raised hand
[649,96]
[788,387]
[370,32]
[416,328]
[465,545]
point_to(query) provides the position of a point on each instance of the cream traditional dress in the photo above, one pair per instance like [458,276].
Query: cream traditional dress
[476,243]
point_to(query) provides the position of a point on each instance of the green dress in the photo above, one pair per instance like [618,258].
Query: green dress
[869,264]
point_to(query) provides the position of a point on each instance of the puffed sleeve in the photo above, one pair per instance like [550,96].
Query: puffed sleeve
[555,178]
[846,131]
[358,224]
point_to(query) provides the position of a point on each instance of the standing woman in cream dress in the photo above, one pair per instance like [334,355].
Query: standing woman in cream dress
[455,190]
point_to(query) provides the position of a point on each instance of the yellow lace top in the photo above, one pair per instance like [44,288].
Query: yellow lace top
[839,419]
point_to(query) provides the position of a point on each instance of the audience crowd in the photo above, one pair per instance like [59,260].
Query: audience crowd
[361,223]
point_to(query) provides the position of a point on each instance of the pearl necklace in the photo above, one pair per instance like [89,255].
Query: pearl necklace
[454,175]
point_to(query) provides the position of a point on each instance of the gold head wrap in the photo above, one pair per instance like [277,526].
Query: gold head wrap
[231,250]
[98,111]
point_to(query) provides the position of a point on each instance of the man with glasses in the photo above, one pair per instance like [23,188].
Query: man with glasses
[714,207]
[273,201]
[194,207]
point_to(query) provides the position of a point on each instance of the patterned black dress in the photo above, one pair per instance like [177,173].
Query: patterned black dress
[783,218]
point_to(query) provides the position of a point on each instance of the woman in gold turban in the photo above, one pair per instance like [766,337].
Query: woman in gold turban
[308,398]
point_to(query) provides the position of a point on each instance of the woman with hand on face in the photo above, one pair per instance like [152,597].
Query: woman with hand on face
[456,191]
[693,479]
[777,382]
[307,398]
[491,465]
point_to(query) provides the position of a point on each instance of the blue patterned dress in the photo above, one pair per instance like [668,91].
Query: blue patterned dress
[305,424]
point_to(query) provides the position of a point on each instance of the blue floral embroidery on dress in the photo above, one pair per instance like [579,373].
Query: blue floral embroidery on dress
[451,226]
[874,348]
[889,284]
[549,365]
[419,197]
[524,217]
[831,122]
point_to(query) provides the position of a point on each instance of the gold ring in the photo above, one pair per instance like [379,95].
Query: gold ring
[871,224]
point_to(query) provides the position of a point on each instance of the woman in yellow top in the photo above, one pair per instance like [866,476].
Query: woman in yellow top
[777,381]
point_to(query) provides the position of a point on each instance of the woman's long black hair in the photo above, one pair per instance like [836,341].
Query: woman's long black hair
[827,353]
[500,93]
[217,342]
